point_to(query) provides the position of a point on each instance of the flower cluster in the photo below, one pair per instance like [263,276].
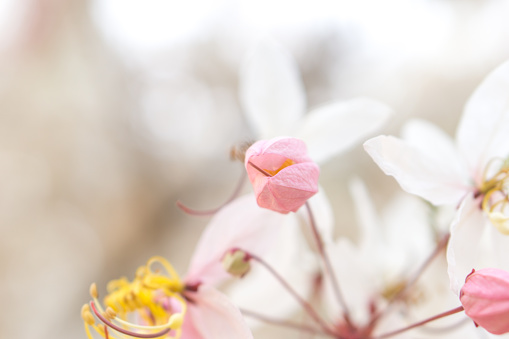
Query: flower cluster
[377,287]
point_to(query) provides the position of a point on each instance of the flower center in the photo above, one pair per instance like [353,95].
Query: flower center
[495,191]
[152,300]
[286,163]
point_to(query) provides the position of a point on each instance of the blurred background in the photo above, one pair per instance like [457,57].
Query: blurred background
[112,110]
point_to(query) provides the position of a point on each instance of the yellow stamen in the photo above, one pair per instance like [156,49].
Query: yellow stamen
[149,295]
[495,201]
[86,314]
[288,162]
[93,291]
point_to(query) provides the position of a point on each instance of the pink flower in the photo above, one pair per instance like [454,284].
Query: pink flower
[485,297]
[191,308]
[282,174]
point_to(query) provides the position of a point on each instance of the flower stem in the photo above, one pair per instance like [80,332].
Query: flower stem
[284,323]
[420,323]
[305,305]
[236,192]
[328,266]
[401,293]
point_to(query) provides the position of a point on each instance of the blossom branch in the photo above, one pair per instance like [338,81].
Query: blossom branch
[328,265]
[213,211]
[401,293]
[305,305]
[420,323]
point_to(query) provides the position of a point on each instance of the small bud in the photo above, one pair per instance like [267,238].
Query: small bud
[93,291]
[485,298]
[282,174]
[236,262]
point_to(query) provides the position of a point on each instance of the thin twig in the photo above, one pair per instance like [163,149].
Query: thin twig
[420,323]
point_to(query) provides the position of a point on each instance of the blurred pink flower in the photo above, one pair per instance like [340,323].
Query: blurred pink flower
[485,298]
[282,174]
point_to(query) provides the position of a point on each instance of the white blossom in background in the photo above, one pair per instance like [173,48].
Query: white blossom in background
[472,171]
[274,102]
[392,246]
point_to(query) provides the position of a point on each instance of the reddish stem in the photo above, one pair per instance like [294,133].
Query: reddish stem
[305,305]
[440,246]
[328,266]
[213,211]
[420,323]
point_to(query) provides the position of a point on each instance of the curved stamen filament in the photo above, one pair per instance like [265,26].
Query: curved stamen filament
[124,331]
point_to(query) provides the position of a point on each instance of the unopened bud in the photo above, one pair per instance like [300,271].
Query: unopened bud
[485,298]
[236,262]
[282,174]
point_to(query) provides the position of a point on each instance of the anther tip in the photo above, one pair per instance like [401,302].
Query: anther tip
[176,321]
[87,315]
[93,291]
[110,313]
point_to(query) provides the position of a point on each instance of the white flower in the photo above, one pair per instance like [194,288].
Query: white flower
[273,99]
[392,247]
[472,170]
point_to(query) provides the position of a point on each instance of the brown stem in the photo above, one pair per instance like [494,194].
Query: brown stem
[420,323]
[305,305]
[213,211]
[400,294]
[328,266]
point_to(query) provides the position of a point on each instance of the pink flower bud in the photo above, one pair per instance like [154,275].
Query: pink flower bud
[485,298]
[282,174]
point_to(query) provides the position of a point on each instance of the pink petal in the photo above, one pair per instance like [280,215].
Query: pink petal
[290,188]
[484,127]
[243,224]
[215,317]
[485,297]
[415,171]
[282,189]
[275,151]
[271,90]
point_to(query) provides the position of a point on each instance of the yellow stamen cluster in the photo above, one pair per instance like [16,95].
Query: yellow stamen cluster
[148,298]
[495,196]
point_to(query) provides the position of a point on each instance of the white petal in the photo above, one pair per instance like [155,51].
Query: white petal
[293,260]
[215,317]
[415,171]
[500,249]
[370,238]
[357,279]
[463,250]
[323,215]
[271,90]
[242,223]
[332,129]
[409,236]
[436,145]
[484,128]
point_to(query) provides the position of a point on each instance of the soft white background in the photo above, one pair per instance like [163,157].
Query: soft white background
[112,110]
